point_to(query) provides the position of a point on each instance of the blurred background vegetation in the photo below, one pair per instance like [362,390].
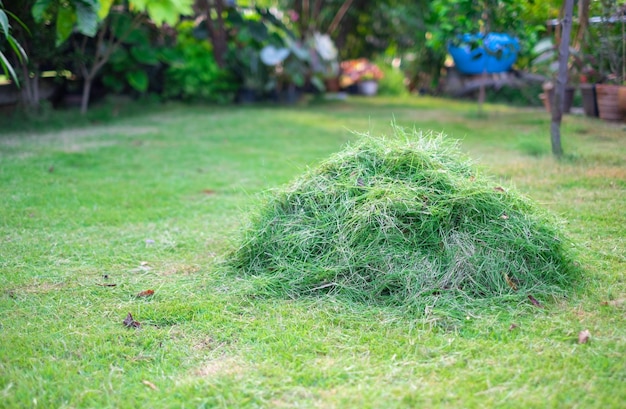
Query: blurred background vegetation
[58,53]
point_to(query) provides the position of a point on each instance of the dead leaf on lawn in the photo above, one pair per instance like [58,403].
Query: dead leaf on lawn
[615,303]
[106,284]
[512,327]
[534,301]
[583,336]
[130,322]
[145,293]
[499,189]
[208,192]
[150,385]
[512,282]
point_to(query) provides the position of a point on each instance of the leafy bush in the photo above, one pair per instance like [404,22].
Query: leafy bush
[392,82]
[404,221]
[137,62]
[194,75]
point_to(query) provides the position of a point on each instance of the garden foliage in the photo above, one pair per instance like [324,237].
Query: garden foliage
[403,221]
[195,75]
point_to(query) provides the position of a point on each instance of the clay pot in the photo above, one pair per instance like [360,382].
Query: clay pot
[588,93]
[621,100]
[608,96]
[548,93]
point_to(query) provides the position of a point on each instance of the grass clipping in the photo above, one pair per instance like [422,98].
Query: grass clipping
[405,221]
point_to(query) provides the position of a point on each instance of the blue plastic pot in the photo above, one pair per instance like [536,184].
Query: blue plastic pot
[492,53]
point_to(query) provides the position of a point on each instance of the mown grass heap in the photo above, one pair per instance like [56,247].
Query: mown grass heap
[404,220]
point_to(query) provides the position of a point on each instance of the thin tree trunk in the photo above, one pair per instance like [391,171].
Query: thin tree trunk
[583,22]
[27,95]
[104,49]
[561,81]
[482,92]
[84,101]
[217,30]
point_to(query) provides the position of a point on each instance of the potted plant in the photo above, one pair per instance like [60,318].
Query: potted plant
[606,44]
[289,67]
[589,78]
[362,73]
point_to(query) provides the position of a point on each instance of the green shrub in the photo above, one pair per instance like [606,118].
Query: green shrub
[194,75]
[405,221]
[393,81]
[137,64]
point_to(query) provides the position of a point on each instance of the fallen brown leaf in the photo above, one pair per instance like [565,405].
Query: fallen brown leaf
[130,322]
[511,282]
[583,336]
[499,189]
[534,301]
[145,293]
[150,385]
[106,284]
[208,192]
[512,327]
[615,303]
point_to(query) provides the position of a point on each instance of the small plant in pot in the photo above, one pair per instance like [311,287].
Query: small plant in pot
[362,73]
[605,45]
[291,68]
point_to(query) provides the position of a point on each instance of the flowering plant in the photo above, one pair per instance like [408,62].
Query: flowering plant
[353,71]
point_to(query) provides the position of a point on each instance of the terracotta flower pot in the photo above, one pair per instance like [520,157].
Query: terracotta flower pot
[608,97]
[621,100]
[590,106]
[548,94]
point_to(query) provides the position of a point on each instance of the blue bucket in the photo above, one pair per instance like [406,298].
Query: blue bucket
[497,53]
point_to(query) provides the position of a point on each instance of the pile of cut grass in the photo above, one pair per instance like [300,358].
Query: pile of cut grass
[408,221]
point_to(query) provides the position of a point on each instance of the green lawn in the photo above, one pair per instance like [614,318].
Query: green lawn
[93,214]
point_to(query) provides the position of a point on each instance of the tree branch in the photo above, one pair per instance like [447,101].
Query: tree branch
[339,16]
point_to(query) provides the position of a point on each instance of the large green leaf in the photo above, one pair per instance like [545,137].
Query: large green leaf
[39,8]
[87,17]
[4,23]
[66,18]
[8,68]
[163,11]
[138,80]
[105,7]
[17,48]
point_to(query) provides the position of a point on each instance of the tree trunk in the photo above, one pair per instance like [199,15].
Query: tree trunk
[27,94]
[216,27]
[561,81]
[84,101]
